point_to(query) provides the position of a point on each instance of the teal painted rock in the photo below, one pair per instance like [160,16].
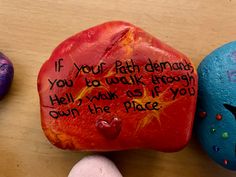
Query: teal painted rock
[216,112]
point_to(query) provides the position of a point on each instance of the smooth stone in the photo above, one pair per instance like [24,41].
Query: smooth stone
[216,112]
[95,166]
[6,74]
[116,87]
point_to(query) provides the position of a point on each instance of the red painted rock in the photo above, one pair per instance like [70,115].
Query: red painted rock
[116,87]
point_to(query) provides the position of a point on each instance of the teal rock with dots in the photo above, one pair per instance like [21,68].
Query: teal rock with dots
[216,112]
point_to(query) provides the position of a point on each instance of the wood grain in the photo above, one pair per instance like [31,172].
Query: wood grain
[30,30]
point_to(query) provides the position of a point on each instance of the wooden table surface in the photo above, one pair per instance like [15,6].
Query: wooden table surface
[30,30]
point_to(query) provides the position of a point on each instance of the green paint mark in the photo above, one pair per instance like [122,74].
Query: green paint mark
[225,135]
[213,130]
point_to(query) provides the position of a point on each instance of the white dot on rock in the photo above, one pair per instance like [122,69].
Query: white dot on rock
[95,166]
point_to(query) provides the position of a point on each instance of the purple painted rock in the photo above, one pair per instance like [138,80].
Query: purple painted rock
[6,74]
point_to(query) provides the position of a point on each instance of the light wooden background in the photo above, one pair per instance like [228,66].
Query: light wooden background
[29,31]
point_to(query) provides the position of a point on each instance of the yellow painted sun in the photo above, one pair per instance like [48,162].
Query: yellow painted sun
[153,114]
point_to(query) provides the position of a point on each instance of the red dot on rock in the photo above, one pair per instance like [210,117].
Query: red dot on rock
[225,162]
[202,114]
[218,116]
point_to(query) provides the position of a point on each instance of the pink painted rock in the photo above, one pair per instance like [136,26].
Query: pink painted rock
[95,166]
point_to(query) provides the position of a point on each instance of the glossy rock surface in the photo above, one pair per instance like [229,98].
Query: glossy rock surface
[6,74]
[115,87]
[216,113]
[95,166]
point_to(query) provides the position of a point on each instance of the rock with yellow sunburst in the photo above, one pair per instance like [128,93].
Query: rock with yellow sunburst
[116,87]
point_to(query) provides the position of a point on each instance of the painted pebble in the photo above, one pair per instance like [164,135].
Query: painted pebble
[116,87]
[216,113]
[95,166]
[6,74]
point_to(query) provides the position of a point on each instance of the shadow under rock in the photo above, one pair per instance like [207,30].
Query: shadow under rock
[134,162]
